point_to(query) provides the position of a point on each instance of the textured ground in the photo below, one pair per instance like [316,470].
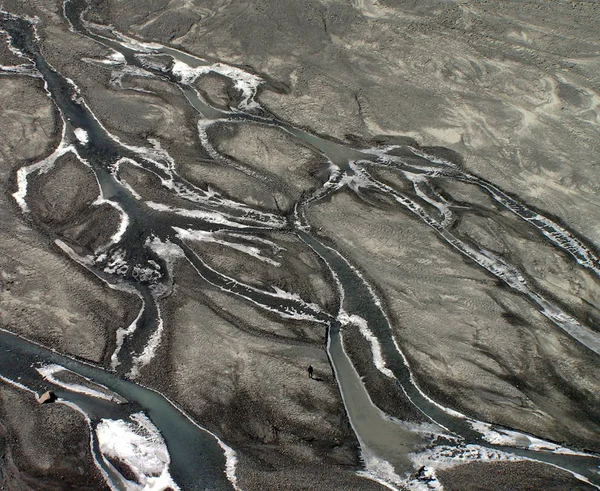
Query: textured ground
[512,87]
[43,447]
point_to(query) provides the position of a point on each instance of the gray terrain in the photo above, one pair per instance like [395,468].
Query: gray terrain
[202,198]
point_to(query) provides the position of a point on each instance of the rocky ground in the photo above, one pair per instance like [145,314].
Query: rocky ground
[517,476]
[44,447]
[510,87]
[243,374]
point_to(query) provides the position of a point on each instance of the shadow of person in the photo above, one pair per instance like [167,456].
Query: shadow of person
[317,379]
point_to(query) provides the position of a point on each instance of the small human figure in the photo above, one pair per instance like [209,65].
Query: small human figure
[310,371]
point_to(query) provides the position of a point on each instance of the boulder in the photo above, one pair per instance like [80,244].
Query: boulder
[47,397]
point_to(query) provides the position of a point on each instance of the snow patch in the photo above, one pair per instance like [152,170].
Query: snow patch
[246,83]
[138,444]
[152,345]
[363,326]
[81,135]
[513,438]
[49,371]
[203,236]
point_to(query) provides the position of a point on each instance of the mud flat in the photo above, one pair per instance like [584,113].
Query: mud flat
[291,165]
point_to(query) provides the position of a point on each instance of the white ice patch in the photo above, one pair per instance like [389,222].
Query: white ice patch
[81,135]
[435,160]
[377,302]
[85,261]
[7,38]
[124,332]
[503,270]
[18,385]
[116,263]
[292,312]
[147,274]
[116,77]
[116,57]
[203,236]
[211,198]
[166,250]
[42,166]
[444,457]
[432,167]
[332,184]
[581,333]
[243,81]
[118,235]
[363,326]
[138,444]
[511,438]
[151,347]
[49,372]
[230,462]
[113,60]
[379,470]
[279,293]
[359,179]
[230,455]
[95,455]
[115,172]
[187,74]
[125,41]
[88,262]
[156,155]
[419,181]
[208,216]
[381,152]
[260,240]
[558,235]
[24,69]
[76,96]
[495,265]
